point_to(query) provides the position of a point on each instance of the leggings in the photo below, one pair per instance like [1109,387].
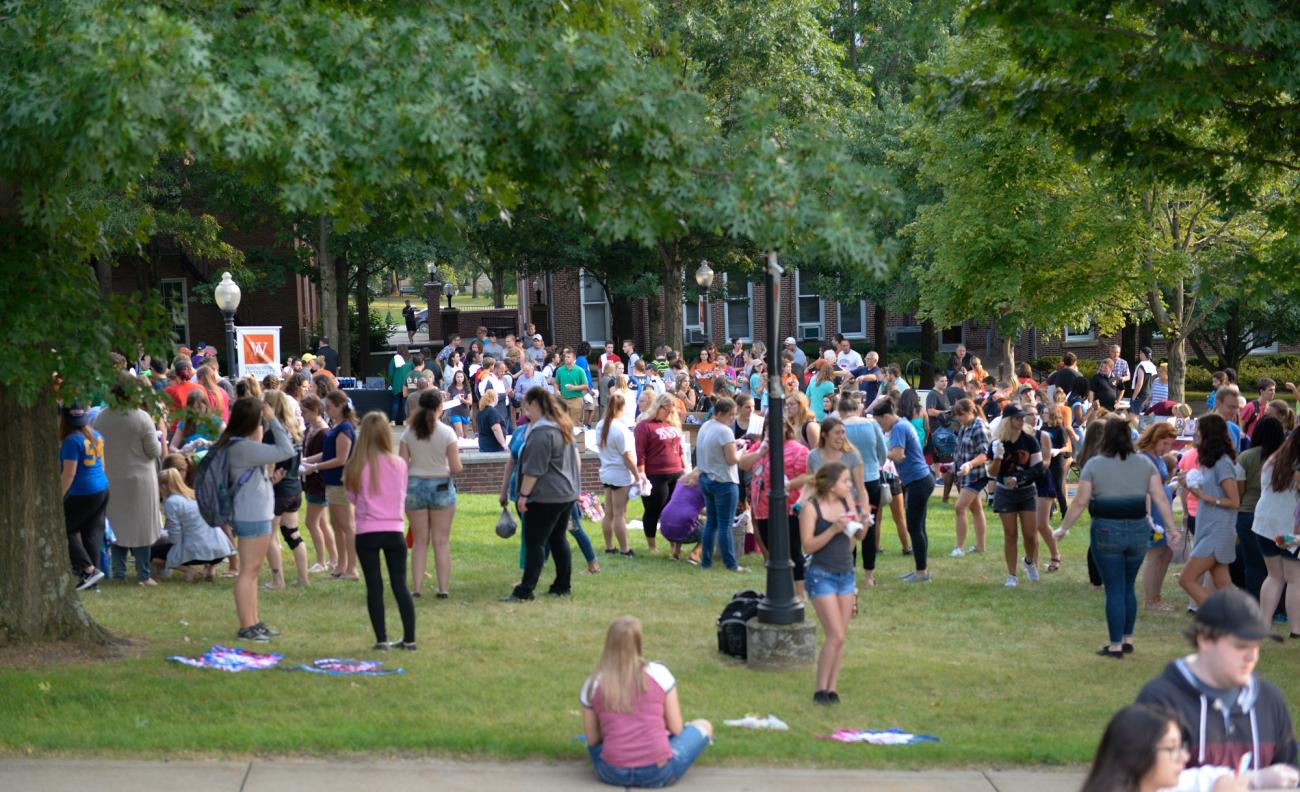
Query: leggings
[1058,479]
[545,525]
[796,549]
[393,546]
[83,519]
[575,528]
[661,489]
[873,533]
[916,499]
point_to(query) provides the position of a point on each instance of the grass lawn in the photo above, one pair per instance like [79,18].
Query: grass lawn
[396,303]
[1002,676]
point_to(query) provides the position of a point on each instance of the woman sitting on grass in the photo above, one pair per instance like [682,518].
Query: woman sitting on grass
[632,717]
[192,542]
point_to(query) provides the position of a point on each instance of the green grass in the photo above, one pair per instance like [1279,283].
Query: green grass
[396,303]
[1003,677]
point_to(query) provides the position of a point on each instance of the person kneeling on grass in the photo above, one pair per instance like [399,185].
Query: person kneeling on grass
[189,540]
[632,717]
[679,522]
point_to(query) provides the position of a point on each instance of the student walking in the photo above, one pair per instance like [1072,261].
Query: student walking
[375,481]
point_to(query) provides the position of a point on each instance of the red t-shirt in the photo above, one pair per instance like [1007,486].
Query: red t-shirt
[180,393]
[658,447]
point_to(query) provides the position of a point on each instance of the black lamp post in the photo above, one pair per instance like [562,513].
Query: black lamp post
[704,279]
[227,295]
[449,291]
[779,605]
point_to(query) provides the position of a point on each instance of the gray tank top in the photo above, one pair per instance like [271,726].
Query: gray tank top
[835,555]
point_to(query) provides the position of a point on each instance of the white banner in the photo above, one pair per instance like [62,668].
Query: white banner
[258,350]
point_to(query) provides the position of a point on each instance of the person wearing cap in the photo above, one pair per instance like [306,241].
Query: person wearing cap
[536,352]
[1116,484]
[1016,464]
[490,346]
[800,359]
[85,493]
[1230,712]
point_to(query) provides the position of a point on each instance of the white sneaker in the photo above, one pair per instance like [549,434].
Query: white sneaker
[1011,582]
[956,553]
[1031,572]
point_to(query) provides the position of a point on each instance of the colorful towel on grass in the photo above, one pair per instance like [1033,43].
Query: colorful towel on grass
[333,666]
[223,659]
[893,736]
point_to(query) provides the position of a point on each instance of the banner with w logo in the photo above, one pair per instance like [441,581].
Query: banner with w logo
[259,350]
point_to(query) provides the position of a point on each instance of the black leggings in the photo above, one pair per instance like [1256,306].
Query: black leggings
[873,533]
[393,546]
[796,546]
[83,519]
[546,525]
[661,489]
[1058,479]
[916,499]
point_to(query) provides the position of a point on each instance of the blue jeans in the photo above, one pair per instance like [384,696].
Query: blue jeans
[720,499]
[1249,558]
[686,746]
[139,554]
[397,408]
[1119,547]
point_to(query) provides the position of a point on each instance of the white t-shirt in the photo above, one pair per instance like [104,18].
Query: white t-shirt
[1275,512]
[849,361]
[429,456]
[613,470]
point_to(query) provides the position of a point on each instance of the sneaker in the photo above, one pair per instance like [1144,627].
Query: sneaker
[739,569]
[513,598]
[1031,572]
[832,697]
[408,646]
[912,577]
[907,551]
[821,697]
[89,580]
[956,553]
[380,646]
[253,634]
[264,630]
[973,549]
[316,569]
[416,594]
[443,595]
[1011,582]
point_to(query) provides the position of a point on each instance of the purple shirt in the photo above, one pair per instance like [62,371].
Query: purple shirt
[682,514]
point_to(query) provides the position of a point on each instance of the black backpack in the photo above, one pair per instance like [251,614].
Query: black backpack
[731,624]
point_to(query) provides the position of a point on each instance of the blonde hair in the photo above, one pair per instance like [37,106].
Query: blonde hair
[1006,432]
[613,408]
[665,401]
[621,670]
[373,440]
[283,406]
[171,482]
[488,399]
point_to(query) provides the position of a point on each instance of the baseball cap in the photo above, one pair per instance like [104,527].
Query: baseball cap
[200,346]
[537,336]
[76,416]
[1236,613]
[789,341]
[307,358]
[1013,411]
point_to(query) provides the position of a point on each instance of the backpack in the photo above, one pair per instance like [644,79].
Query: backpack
[731,624]
[944,442]
[212,487]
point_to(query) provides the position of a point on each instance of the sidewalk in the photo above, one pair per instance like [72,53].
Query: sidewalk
[282,775]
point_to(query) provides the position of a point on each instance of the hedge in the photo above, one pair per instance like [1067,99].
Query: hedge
[1279,368]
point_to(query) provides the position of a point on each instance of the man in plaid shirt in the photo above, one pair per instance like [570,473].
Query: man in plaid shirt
[1120,370]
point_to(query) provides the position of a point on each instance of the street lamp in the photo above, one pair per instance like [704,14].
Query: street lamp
[449,290]
[227,295]
[704,279]
[779,605]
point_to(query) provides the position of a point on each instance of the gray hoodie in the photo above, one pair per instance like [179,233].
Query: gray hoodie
[255,499]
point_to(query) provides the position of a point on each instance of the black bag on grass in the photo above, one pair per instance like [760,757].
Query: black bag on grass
[731,624]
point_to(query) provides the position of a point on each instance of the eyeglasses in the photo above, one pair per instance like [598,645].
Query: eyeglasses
[1174,750]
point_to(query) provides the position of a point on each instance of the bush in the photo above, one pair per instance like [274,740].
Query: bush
[1279,368]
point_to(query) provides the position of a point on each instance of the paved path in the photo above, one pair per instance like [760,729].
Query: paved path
[265,775]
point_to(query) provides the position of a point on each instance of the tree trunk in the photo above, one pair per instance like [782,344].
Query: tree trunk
[1007,368]
[929,347]
[38,600]
[1177,367]
[498,278]
[329,287]
[104,274]
[343,343]
[879,329]
[655,313]
[473,287]
[671,271]
[363,320]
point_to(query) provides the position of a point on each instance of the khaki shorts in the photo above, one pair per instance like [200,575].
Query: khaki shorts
[336,495]
[574,407]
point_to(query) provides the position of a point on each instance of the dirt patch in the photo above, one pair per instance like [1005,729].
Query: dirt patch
[63,652]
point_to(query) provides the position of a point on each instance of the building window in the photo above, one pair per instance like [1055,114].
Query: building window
[809,309]
[1080,335]
[175,299]
[692,321]
[740,309]
[853,319]
[595,310]
[950,337]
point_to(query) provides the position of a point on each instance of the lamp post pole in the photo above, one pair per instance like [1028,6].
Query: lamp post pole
[704,279]
[779,605]
[227,296]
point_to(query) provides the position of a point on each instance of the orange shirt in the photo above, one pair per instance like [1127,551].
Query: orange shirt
[703,374]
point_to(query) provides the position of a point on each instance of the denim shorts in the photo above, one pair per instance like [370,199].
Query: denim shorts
[687,747]
[1015,501]
[430,493]
[317,500]
[251,529]
[821,583]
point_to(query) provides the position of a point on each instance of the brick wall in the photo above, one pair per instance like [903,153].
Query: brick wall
[483,472]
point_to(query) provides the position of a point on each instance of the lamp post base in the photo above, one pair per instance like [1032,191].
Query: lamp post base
[780,646]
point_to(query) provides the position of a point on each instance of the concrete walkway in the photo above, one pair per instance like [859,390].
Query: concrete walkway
[277,775]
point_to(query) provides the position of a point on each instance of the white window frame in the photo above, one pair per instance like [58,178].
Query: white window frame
[862,313]
[583,302]
[800,325]
[728,298]
[1080,338]
[185,306]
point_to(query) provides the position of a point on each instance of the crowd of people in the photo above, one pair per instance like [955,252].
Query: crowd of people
[690,442]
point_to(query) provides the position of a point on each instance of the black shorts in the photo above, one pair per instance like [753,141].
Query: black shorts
[895,485]
[873,492]
[288,503]
[1269,549]
[1020,499]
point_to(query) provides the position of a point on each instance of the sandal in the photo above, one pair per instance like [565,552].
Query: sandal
[855,603]
[1054,564]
